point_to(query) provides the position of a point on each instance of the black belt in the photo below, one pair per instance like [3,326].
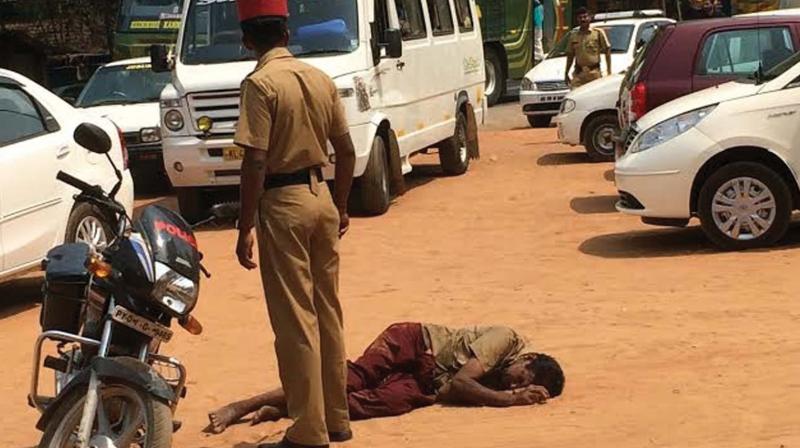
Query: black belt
[301,177]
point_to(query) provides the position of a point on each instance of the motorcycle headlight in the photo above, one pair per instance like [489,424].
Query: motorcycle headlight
[567,106]
[669,129]
[173,120]
[174,291]
[527,84]
[150,135]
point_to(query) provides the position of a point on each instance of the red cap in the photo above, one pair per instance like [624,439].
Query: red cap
[250,9]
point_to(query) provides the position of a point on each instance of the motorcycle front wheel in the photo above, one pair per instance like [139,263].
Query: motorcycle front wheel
[126,418]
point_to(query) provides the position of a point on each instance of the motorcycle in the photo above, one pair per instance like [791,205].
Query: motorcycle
[109,313]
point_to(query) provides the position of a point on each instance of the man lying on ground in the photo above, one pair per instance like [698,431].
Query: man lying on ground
[412,365]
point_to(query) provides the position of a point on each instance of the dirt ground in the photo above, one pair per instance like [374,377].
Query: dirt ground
[664,340]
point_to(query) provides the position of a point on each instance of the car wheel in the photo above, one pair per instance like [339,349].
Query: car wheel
[374,193]
[539,121]
[88,224]
[745,205]
[192,204]
[495,76]
[599,137]
[453,152]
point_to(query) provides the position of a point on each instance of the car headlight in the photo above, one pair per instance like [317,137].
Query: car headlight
[567,106]
[150,135]
[173,119]
[527,84]
[669,129]
[174,291]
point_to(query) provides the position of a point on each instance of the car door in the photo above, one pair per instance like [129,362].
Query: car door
[731,54]
[30,150]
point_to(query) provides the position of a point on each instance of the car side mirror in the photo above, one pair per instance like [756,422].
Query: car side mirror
[640,43]
[393,39]
[159,58]
[93,138]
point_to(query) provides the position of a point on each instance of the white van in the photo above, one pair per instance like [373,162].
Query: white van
[410,73]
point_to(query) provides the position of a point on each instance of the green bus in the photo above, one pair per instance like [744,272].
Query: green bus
[507,27]
[143,23]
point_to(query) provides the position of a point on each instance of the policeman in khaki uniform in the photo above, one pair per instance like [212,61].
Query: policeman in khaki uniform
[289,111]
[584,48]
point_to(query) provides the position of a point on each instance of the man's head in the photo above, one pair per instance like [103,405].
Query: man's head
[584,18]
[262,34]
[533,369]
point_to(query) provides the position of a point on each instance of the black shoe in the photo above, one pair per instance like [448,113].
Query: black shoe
[340,436]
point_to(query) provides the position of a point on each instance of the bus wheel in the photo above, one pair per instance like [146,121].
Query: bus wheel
[373,185]
[495,76]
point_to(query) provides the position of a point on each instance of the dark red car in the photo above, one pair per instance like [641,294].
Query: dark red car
[690,56]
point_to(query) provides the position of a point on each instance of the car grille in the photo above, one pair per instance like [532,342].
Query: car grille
[551,86]
[221,106]
[542,107]
[131,138]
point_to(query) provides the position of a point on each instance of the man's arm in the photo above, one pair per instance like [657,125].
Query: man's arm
[569,65]
[343,177]
[608,60]
[465,389]
[254,169]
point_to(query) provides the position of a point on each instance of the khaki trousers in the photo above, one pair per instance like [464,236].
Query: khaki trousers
[585,77]
[298,237]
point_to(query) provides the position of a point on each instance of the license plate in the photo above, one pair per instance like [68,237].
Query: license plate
[232,153]
[141,324]
[551,99]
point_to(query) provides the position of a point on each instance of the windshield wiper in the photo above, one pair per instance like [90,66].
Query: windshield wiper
[758,75]
[328,51]
[110,102]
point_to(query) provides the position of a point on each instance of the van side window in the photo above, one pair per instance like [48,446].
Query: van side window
[464,14]
[20,116]
[412,22]
[441,17]
[739,52]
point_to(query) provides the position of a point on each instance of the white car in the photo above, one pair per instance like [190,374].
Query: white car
[38,212]
[726,154]
[544,87]
[127,92]
[588,117]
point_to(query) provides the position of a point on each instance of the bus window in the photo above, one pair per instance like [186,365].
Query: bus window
[137,16]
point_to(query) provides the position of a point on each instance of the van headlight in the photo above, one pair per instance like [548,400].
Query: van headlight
[669,129]
[173,119]
[567,106]
[174,291]
[527,84]
[150,135]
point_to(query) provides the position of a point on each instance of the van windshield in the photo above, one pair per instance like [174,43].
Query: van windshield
[619,36]
[213,35]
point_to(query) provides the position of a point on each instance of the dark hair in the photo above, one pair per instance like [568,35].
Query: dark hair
[547,373]
[265,32]
[581,11]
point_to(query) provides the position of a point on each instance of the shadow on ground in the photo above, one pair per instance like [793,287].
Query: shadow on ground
[20,294]
[589,205]
[563,158]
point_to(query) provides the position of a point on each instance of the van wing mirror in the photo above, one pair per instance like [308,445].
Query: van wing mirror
[393,39]
[159,58]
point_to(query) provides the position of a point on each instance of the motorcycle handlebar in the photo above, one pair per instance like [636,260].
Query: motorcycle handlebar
[75,182]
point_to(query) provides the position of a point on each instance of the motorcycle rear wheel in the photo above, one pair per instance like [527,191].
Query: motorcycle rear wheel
[134,419]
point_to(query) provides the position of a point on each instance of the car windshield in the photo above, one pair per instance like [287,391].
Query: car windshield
[149,16]
[213,34]
[123,84]
[619,37]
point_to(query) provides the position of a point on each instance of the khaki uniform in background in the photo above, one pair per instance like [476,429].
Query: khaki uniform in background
[290,110]
[494,347]
[587,48]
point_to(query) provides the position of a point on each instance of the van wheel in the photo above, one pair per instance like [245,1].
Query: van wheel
[495,76]
[88,224]
[192,204]
[374,192]
[539,121]
[745,205]
[599,137]
[453,153]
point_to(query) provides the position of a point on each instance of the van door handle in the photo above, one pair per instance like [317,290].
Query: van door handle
[62,152]
[400,65]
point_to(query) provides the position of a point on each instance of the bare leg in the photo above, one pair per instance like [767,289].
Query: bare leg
[227,415]
[269,414]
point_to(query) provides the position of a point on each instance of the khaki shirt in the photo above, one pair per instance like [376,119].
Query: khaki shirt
[586,47]
[289,109]
[494,347]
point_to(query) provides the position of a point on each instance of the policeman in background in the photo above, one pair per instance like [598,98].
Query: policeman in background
[289,111]
[585,47]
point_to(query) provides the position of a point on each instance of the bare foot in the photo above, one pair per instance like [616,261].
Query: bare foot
[221,418]
[267,414]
